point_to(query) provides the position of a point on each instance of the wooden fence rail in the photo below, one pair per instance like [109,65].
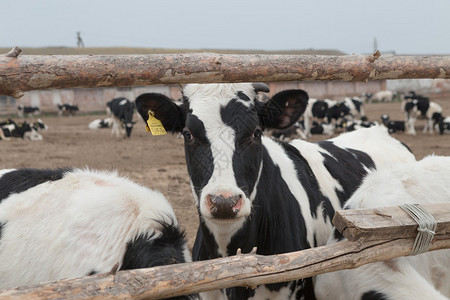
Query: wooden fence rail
[247,269]
[21,73]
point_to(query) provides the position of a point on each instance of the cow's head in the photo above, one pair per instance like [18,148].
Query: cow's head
[222,126]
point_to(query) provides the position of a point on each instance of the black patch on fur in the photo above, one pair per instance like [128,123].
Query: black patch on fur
[199,158]
[347,166]
[308,180]
[319,109]
[374,295]
[145,251]
[20,180]
[247,150]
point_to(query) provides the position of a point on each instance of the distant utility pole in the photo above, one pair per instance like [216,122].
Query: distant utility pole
[375,44]
[80,42]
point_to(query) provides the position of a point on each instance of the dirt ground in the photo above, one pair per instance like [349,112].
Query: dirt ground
[158,162]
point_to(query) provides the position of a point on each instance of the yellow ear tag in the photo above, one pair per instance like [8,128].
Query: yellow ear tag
[154,125]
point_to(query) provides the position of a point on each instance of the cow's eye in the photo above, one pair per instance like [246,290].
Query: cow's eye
[257,133]
[187,135]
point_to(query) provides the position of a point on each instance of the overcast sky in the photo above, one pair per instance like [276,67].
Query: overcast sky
[403,26]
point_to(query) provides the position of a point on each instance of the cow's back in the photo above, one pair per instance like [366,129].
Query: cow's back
[72,223]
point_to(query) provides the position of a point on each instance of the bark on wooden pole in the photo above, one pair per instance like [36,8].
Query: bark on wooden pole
[247,270]
[29,72]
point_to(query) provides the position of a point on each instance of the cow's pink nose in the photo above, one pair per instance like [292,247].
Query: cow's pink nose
[224,205]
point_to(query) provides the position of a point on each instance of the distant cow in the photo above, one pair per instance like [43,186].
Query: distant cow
[121,111]
[424,276]
[67,223]
[22,110]
[383,96]
[392,126]
[101,123]
[351,125]
[444,126]
[254,191]
[328,111]
[67,109]
[10,129]
[416,106]
[356,106]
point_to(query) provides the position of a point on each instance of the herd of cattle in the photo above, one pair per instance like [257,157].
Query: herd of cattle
[250,190]
[330,116]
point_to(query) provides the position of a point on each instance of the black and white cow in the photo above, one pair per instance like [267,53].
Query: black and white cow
[356,107]
[121,111]
[425,276]
[416,106]
[29,110]
[67,223]
[328,111]
[10,129]
[444,126]
[101,123]
[351,125]
[67,109]
[392,126]
[253,191]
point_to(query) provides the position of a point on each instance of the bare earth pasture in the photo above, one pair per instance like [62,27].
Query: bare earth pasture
[158,162]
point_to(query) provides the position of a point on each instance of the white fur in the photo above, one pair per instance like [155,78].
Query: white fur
[72,226]
[425,276]
[377,143]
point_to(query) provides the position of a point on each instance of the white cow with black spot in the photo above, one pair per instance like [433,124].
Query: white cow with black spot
[425,276]
[68,223]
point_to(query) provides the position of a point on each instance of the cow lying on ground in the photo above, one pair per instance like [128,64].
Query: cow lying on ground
[382,96]
[351,125]
[254,191]
[67,109]
[22,110]
[392,126]
[100,123]
[10,129]
[67,223]
[415,106]
[121,111]
[444,126]
[425,276]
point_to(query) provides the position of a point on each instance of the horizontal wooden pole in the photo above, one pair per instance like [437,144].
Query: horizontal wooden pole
[248,270]
[23,73]
[393,222]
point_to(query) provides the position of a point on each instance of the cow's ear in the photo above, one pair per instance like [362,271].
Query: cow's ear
[164,109]
[283,109]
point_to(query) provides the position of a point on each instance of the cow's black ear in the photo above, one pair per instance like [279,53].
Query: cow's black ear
[283,109]
[167,111]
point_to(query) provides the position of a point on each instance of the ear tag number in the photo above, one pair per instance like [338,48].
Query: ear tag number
[154,125]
